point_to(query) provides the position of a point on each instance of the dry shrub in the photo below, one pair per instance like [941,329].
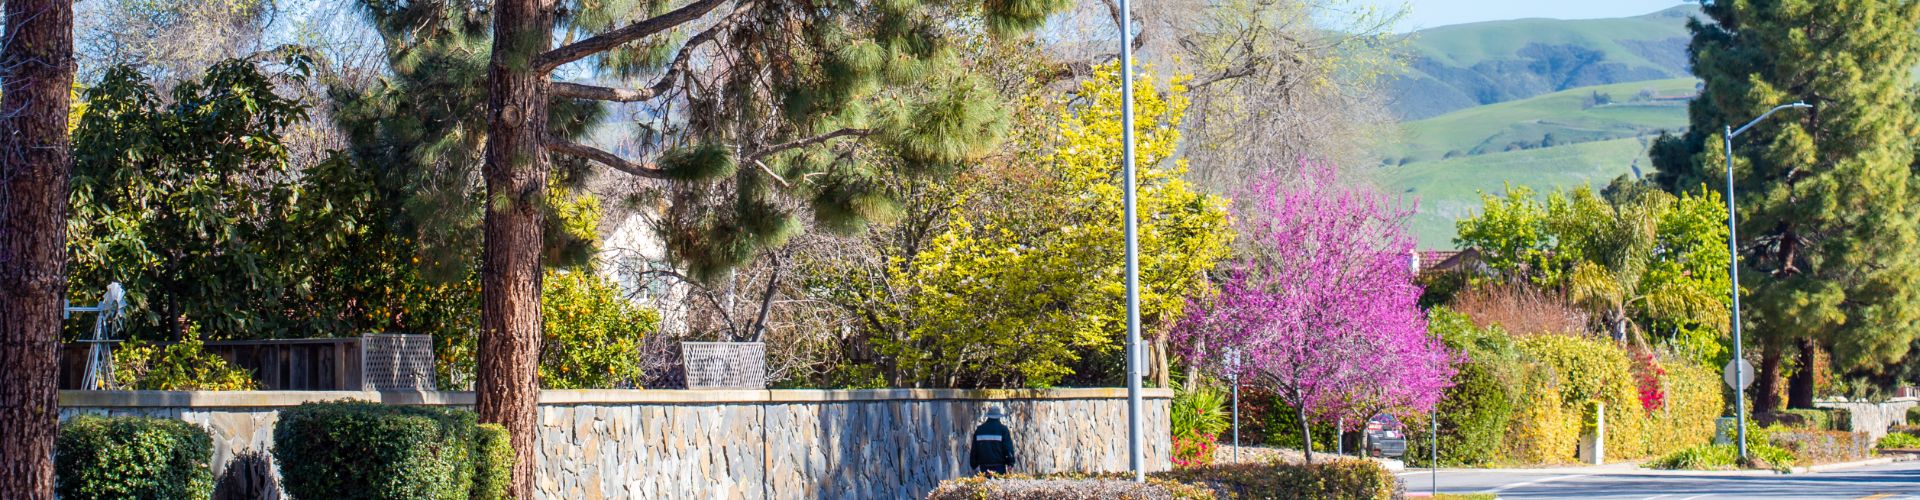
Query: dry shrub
[1521,309]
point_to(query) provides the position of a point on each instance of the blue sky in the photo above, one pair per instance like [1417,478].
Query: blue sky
[1435,13]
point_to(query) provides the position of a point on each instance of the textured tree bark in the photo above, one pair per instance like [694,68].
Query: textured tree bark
[36,74]
[516,175]
[1766,387]
[1800,385]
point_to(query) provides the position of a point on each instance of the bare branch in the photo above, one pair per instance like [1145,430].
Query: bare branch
[607,41]
[595,92]
[614,161]
[766,300]
[769,171]
[809,141]
[666,82]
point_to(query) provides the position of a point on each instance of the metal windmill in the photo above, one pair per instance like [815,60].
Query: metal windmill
[100,344]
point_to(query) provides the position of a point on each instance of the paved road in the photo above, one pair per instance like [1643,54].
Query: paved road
[1896,480]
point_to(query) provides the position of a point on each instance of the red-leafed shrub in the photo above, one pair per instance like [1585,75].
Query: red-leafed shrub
[1648,374]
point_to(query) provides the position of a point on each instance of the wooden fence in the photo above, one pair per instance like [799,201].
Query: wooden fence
[328,364]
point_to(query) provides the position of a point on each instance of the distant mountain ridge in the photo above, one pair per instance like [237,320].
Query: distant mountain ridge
[1462,66]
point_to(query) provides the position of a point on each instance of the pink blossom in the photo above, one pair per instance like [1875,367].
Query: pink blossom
[1321,303]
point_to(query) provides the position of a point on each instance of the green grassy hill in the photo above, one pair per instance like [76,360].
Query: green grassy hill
[1586,114]
[1550,141]
[1450,189]
[1461,66]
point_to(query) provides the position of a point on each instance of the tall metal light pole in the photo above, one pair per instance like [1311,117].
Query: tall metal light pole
[1733,272]
[1136,455]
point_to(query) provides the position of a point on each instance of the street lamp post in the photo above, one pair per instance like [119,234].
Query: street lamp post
[1733,273]
[1136,455]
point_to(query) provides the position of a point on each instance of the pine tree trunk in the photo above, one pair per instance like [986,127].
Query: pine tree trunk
[1800,385]
[1766,388]
[36,74]
[516,176]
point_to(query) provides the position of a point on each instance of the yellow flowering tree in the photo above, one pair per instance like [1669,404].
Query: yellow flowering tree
[1030,290]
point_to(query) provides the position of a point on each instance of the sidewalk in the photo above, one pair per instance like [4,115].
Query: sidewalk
[1633,467]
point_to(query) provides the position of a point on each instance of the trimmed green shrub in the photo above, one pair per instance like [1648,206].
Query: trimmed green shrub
[1335,479]
[1913,415]
[359,450]
[131,457]
[492,462]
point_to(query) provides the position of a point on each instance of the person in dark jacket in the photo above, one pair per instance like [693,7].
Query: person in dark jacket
[992,445]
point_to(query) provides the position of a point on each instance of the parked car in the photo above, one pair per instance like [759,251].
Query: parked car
[1386,437]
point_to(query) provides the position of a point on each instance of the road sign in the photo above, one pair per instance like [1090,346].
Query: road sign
[1746,374]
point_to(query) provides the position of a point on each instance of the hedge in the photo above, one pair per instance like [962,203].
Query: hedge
[1517,400]
[1335,479]
[131,457]
[1339,479]
[1913,415]
[358,450]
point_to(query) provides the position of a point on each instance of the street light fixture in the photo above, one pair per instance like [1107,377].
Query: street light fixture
[1733,272]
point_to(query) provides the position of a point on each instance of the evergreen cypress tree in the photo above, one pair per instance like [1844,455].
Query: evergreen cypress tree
[1826,196]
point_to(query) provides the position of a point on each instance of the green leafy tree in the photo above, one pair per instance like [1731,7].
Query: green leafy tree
[593,333]
[1826,196]
[1027,293]
[1640,260]
[183,200]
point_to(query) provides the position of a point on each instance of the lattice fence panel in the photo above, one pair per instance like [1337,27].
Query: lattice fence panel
[725,365]
[398,362]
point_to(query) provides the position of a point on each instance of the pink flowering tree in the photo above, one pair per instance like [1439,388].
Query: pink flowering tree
[1321,303]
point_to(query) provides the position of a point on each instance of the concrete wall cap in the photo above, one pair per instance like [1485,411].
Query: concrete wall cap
[245,399]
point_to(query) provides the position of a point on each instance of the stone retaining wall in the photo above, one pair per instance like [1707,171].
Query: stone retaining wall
[1874,418]
[887,443]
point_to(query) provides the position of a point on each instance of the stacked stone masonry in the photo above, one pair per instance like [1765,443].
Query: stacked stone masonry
[732,444]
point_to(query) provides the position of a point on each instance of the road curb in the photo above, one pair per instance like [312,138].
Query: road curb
[1849,465]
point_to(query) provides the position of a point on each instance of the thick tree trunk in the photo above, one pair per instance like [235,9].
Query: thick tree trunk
[1766,388]
[36,74]
[1800,385]
[516,176]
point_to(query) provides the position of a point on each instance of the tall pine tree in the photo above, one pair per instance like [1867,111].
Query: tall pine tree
[760,109]
[36,77]
[1827,196]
